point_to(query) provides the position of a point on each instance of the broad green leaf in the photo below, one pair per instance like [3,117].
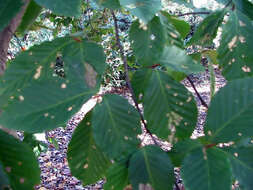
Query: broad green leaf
[86,160]
[168,106]
[62,7]
[207,169]
[18,162]
[117,177]
[230,112]
[144,10]
[116,125]
[32,12]
[207,29]
[4,182]
[151,167]
[176,59]
[242,165]
[233,54]
[245,7]
[148,43]
[181,149]
[8,10]
[36,96]
[181,26]
[173,36]
[110,4]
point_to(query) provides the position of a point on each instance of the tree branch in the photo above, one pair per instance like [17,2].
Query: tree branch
[6,35]
[128,83]
[199,96]
[194,13]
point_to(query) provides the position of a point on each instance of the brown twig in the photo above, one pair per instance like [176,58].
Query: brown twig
[194,13]
[128,83]
[199,96]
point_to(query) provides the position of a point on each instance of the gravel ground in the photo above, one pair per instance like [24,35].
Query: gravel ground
[55,173]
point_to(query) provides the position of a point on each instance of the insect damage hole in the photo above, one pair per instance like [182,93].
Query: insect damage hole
[90,76]
[38,72]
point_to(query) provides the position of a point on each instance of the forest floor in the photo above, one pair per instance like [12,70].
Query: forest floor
[55,173]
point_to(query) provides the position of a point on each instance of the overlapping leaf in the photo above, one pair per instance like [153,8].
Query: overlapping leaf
[168,106]
[148,43]
[151,167]
[176,59]
[236,42]
[245,7]
[8,9]
[62,7]
[86,160]
[116,125]
[117,177]
[233,121]
[242,165]
[36,96]
[144,10]
[207,29]
[207,169]
[110,4]
[18,162]
[32,12]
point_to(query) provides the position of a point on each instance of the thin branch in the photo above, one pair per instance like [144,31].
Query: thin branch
[199,96]
[128,83]
[194,13]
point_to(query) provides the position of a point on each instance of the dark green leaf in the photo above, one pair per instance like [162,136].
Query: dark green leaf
[86,160]
[150,166]
[8,9]
[181,149]
[233,121]
[32,12]
[144,10]
[36,96]
[168,106]
[110,4]
[242,165]
[4,182]
[116,125]
[62,7]
[18,162]
[117,177]
[148,43]
[207,169]
[233,54]
[207,29]
[177,60]
[245,7]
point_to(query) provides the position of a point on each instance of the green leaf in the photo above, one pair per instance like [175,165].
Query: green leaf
[35,96]
[207,169]
[86,160]
[167,105]
[32,12]
[207,29]
[245,7]
[150,166]
[148,43]
[4,182]
[18,162]
[117,177]
[242,165]
[8,9]
[176,59]
[110,4]
[144,10]
[233,121]
[62,7]
[181,149]
[233,54]
[181,26]
[116,125]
